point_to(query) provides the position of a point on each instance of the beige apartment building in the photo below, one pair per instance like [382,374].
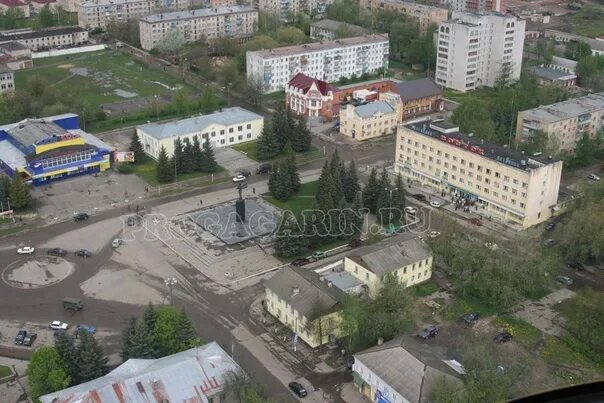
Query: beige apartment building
[211,23]
[286,8]
[564,122]
[49,38]
[425,15]
[98,13]
[503,185]
[374,119]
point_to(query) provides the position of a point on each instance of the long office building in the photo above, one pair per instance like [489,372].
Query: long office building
[501,184]
[48,38]
[499,6]
[98,13]
[565,122]
[475,49]
[210,23]
[286,8]
[328,61]
[425,15]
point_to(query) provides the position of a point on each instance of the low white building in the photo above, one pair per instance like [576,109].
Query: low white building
[224,128]
[48,38]
[7,79]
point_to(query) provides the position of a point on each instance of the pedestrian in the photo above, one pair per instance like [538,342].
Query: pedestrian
[201,202]
[254,190]
[89,192]
[147,189]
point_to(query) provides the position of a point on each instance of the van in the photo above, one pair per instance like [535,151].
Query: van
[72,303]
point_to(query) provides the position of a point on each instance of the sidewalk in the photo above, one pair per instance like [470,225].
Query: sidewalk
[14,391]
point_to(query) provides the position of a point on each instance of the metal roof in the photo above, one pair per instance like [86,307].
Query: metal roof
[226,117]
[343,280]
[552,74]
[373,108]
[11,155]
[566,109]
[192,375]
[563,62]
[197,13]
[43,33]
[417,89]
[321,46]
[30,131]
[333,25]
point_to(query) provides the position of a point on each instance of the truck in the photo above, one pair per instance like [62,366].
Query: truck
[72,303]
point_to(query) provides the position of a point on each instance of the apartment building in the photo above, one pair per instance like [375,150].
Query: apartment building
[15,56]
[210,23]
[564,122]
[499,6]
[98,13]
[474,50]
[286,8]
[328,30]
[328,60]
[501,184]
[424,15]
[370,120]
[49,38]
[7,79]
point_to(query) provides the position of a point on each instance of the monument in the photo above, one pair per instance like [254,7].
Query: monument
[240,203]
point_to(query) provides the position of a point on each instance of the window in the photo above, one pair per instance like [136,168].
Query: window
[231,130]
[249,126]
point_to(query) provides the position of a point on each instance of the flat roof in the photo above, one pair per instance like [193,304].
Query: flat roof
[197,13]
[333,25]
[31,131]
[42,33]
[552,74]
[322,45]
[370,109]
[103,3]
[11,155]
[343,280]
[226,117]
[568,109]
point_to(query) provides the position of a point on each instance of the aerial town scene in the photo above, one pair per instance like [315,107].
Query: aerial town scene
[273,201]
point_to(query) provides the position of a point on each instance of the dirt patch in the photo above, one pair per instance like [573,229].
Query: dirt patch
[65,66]
[542,314]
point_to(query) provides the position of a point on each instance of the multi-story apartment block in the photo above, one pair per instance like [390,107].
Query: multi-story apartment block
[423,14]
[98,13]
[286,8]
[374,119]
[210,23]
[46,38]
[328,60]
[7,79]
[475,49]
[563,122]
[499,6]
[328,30]
[501,184]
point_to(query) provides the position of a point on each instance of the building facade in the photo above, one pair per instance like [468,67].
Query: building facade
[370,120]
[419,97]
[475,49]
[550,76]
[328,61]
[479,6]
[500,184]
[15,56]
[597,46]
[98,13]
[306,96]
[7,79]
[6,5]
[565,122]
[50,149]
[209,23]
[47,38]
[328,30]
[285,8]
[424,15]
[227,127]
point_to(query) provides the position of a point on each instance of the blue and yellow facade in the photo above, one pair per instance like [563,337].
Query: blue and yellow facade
[50,149]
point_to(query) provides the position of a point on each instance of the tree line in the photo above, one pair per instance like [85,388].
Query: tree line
[283,129]
[14,18]
[284,179]
[14,192]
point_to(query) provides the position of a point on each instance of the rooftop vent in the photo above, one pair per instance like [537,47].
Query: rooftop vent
[329,284]
[295,291]
[155,383]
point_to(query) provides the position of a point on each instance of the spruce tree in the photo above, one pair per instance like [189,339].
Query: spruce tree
[281,187]
[91,360]
[150,316]
[302,138]
[292,169]
[67,351]
[358,217]
[142,342]
[185,332]
[383,201]
[267,146]
[188,157]
[137,148]
[208,159]
[370,192]
[4,190]
[127,335]
[350,182]
[164,171]
[326,189]
[280,128]
[197,154]
[290,239]
[398,199]
[338,172]
[177,157]
[18,192]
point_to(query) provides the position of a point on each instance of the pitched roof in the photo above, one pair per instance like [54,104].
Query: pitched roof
[13,3]
[333,25]
[304,82]
[190,375]
[304,290]
[42,33]
[372,108]
[552,74]
[416,89]
[566,109]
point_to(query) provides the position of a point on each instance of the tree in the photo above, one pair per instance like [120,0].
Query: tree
[45,17]
[241,388]
[290,36]
[302,138]
[544,49]
[19,195]
[391,311]
[127,336]
[178,155]
[188,157]
[326,189]
[208,162]
[447,390]
[292,169]
[66,349]
[577,50]
[353,322]
[267,146]
[384,194]
[350,182]
[281,127]
[4,191]
[290,240]
[582,234]
[186,335]
[371,191]
[280,184]
[585,319]
[164,172]
[142,342]
[91,360]
[254,92]
[338,171]
[474,116]
[197,154]
[46,372]
[179,102]
[586,149]
[137,148]
[171,42]
[208,102]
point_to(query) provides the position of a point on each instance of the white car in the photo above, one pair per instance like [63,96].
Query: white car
[410,210]
[26,250]
[491,245]
[435,204]
[238,178]
[593,177]
[433,234]
[58,325]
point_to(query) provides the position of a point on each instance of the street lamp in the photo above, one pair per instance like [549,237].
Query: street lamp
[390,205]
[170,282]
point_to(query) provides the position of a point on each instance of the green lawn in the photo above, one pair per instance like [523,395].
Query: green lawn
[459,96]
[5,371]
[466,305]
[589,21]
[425,289]
[301,200]
[523,332]
[147,171]
[101,74]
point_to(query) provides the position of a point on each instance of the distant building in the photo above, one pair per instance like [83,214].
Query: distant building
[15,56]
[499,6]
[424,15]
[474,50]
[550,76]
[36,5]
[6,5]
[196,375]
[286,8]
[224,128]
[597,46]
[50,149]
[419,97]
[370,120]
[564,122]
[327,60]
[328,30]
[7,79]
[49,38]
[210,23]
[562,64]
[98,13]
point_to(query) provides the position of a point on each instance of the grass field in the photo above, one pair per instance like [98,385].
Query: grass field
[4,371]
[99,77]
[147,171]
[303,199]
[589,21]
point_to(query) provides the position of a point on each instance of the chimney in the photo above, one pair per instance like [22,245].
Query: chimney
[380,341]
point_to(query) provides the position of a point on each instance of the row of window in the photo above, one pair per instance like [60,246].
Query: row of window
[66,159]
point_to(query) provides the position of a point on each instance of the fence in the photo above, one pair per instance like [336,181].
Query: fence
[68,51]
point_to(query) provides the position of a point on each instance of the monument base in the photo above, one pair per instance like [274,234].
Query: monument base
[240,210]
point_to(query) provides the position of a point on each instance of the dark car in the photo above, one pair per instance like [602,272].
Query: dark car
[300,261]
[244,172]
[264,169]
[86,328]
[81,217]
[83,253]
[469,318]
[131,221]
[29,339]
[355,243]
[428,333]
[575,266]
[298,389]
[57,252]
[550,226]
[20,336]
[503,337]
[420,197]
[549,242]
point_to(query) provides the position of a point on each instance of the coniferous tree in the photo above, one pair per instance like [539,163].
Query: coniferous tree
[350,182]
[177,157]
[290,123]
[358,216]
[127,335]
[370,191]
[137,148]
[326,190]
[150,316]
[67,351]
[302,138]
[164,172]
[197,154]
[267,146]
[18,192]
[4,190]
[91,360]
[398,199]
[208,159]
[290,239]
[338,172]
[383,204]
[281,186]
[292,169]
[142,342]
[280,128]
[188,157]
[185,332]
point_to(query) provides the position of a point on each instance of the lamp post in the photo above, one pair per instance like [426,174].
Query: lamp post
[390,190]
[170,282]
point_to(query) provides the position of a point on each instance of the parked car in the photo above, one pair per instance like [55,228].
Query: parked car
[264,168]
[428,333]
[86,328]
[244,172]
[80,217]
[319,255]
[300,261]
[550,226]
[469,318]
[575,266]
[549,242]
[116,243]
[433,234]
[355,243]
[420,197]
[298,389]
[565,280]
[131,221]
[29,339]
[435,204]
[502,337]
[26,250]
[83,253]
[238,178]
[410,210]
[21,334]
[58,325]
[57,252]
[593,177]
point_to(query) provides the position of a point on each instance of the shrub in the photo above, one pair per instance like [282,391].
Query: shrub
[125,168]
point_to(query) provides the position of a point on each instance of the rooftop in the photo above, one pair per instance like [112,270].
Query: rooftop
[13,3]
[412,4]
[373,108]
[322,45]
[30,131]
[197,13]
[593,43]
[304,82]
[446,132]
[343,280]
[42,33]
[104,3]
[332,25]
[190,376]
[305,291]
[368,83]
[416,89]
[392,254]
[566,109]
[5,69]
[552,74]
[226,117]
[11,46]
[563,62]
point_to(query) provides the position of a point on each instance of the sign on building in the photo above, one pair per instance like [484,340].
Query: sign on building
[124,156]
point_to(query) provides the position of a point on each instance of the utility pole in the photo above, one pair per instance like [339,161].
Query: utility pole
[170,282]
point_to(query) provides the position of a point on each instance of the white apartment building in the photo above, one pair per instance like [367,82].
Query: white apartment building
[48,38]
[98,13]
[285,8]
[500,184]
[211,23]
[473,49]
[328,61]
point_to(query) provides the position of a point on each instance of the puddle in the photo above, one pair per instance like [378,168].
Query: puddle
[79,71]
